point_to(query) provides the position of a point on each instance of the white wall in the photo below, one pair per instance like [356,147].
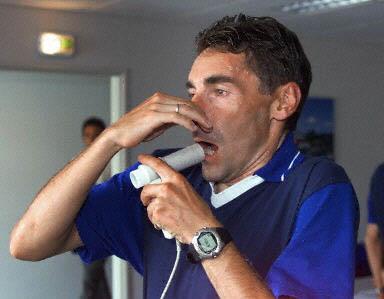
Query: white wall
[41,116]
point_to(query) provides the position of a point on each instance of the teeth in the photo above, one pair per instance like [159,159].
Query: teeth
[209,150]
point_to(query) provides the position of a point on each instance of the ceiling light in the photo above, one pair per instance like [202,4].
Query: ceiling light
[312,6]
[54,44]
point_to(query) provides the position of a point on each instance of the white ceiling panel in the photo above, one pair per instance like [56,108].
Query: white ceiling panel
[73,5]
[363,22]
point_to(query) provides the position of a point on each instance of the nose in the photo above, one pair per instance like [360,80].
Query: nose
[198,100]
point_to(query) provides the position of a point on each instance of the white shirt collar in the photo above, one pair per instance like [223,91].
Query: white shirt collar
[224,197]
[220,199]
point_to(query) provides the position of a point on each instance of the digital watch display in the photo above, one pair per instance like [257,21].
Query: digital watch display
[208,243]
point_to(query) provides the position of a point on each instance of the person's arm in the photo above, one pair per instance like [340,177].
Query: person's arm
[233,277]
[374,248]
[47,227]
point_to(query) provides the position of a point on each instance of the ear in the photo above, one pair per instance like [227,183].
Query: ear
[286,101]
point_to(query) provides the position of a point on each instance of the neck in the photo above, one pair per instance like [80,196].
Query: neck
[263,156]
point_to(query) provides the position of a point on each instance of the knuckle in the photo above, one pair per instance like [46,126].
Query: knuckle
[157,162]
[176,177]
[157,213]
[157,96]
[166,188]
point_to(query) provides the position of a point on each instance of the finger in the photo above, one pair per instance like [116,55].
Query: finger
[166,103]
[159,166]
[150,213]
[157,213]
[196,114]
[156,193]
[178,119]
[150,209]
[157,132]
[182,108]
[150,193]
[160,97]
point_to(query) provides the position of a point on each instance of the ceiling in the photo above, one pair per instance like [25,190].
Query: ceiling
[361,23]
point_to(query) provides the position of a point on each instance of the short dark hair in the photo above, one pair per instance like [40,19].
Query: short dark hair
[93,121]
[272,51]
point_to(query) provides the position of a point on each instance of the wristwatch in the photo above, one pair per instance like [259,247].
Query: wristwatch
[208,243]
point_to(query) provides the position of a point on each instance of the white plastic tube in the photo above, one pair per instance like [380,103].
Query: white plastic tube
[179,160]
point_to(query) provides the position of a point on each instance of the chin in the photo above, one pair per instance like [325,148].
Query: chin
[210,174]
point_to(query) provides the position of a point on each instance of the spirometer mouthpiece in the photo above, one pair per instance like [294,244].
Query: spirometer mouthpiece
[179,160]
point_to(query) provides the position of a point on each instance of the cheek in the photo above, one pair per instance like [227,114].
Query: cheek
[222,111]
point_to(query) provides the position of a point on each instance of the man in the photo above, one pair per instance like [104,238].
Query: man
[375,229]
[95,283]
[265,221]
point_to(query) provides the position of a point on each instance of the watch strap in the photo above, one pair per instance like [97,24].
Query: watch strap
[192,255]
[224,234]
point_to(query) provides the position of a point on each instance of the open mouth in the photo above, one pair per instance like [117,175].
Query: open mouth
[209,148]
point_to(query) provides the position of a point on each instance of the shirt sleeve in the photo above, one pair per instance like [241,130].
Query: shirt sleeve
[319,260]
[110,222]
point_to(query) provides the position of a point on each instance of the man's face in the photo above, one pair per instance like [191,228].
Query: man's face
[224,87]
[90,133]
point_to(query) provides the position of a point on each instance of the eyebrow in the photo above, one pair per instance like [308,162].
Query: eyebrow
[213,80]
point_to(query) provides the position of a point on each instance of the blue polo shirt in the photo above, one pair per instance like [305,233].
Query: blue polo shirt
[314,260]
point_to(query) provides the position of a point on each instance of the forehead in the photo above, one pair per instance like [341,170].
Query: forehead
[212,62]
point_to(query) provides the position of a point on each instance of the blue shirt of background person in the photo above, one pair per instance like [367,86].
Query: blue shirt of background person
[375,229]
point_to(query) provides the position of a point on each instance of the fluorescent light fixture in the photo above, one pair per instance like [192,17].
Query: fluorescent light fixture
[312,6]
[55,44]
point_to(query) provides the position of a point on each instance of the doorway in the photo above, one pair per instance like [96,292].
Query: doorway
[41,116]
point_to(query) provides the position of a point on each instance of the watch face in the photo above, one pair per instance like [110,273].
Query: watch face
[207,242]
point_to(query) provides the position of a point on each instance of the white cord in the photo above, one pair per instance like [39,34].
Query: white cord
[178,250]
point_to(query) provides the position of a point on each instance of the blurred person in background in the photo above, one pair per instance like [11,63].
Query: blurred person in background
[375,229]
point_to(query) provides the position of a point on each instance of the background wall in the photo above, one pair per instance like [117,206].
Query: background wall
[157,56]
[352,74]
[41,117]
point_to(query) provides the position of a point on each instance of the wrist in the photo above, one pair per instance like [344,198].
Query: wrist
[110,137]
[108,141]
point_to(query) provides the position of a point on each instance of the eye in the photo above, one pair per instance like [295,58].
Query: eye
[220,92]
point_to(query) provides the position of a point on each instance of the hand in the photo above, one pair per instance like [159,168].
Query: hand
[156,114]
[173,204]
